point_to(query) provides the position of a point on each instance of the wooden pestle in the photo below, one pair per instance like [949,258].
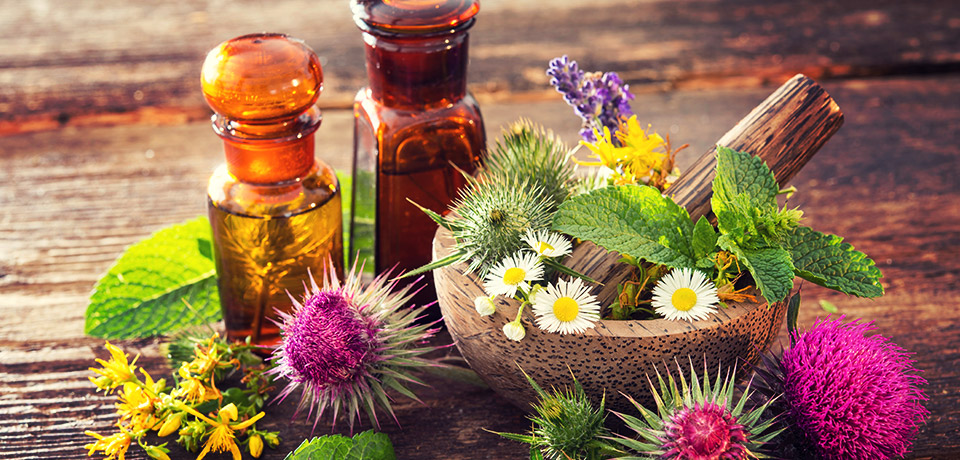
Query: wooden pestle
[785,130]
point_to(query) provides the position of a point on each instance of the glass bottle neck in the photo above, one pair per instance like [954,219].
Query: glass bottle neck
[416,72]
[269,153]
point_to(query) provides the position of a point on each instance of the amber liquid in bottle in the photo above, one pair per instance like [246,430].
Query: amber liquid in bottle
[416,128]
[275,211]
[263,259]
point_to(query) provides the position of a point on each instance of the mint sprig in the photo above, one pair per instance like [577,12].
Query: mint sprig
[159,285]
[639,223]
[368,445]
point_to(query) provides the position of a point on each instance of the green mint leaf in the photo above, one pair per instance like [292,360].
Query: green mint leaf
[771,268]
[368,445]
[636,221]
[826,260]
[146,292]
[704,239]
[742,174]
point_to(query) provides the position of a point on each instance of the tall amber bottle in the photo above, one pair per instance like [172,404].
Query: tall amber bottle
[274,209]
[415,126]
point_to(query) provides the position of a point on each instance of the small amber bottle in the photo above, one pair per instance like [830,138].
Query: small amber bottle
[416,127]
[274,209]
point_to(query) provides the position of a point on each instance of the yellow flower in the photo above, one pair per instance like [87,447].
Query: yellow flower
[637,157]
[113,446]
[607,153]
[193,389]
[205,362]
[137,403]
[640,149]
[222,438]
[116,371]
[136,408]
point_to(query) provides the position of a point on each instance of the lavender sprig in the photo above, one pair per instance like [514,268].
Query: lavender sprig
[599,99]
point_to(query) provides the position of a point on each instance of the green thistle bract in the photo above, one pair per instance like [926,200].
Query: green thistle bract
[698,420]
[492,218]
[528,152]
[566,426]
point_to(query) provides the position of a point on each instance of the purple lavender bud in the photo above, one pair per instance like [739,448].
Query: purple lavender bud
[600,100]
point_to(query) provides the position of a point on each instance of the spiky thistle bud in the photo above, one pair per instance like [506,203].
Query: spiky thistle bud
[698,420]
[529,152]
[493,216]
[566,425]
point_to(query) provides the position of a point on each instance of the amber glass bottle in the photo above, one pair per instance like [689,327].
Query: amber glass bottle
[415,126]
[274,209]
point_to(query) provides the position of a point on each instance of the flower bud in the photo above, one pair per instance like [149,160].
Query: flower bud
[156,453]
[514,331]
[484,306]
[272,439]
[170,425]
[256,446]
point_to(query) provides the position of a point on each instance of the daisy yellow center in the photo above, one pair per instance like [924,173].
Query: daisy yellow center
[566,309]
[514,276]
[684,299]
[544,247]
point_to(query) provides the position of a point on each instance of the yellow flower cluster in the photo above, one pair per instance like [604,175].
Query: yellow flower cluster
[634,156]
[146,405]
[198,376]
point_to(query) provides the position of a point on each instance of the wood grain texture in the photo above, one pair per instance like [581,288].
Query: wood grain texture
[785,131]
[72,199]
[114,61]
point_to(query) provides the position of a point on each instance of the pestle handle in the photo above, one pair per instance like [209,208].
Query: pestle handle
[785,130]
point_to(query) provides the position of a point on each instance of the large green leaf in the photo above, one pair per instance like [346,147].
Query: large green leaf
[826,260]
[742,174]
[158,285]
[771,268]
[368,445]
[633,220]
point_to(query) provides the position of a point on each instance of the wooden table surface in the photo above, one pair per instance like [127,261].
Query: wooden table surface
[104,139]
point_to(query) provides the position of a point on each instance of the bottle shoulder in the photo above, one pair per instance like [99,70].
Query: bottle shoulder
[367,106]
[317,188]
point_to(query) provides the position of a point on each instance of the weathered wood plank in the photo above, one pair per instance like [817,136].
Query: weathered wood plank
[70,200]
[109,61]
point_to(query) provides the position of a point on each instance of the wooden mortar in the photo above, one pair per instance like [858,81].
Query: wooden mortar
[616,356]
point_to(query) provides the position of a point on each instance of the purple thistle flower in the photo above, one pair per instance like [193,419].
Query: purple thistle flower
[345,344]
[328,342]
[600,100]
[847,395]
[706,430]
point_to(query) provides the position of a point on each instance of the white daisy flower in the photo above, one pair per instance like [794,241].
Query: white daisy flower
[484,305]
[514,331]
[566,308]
[685,294]
[516,271]
[547,243]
